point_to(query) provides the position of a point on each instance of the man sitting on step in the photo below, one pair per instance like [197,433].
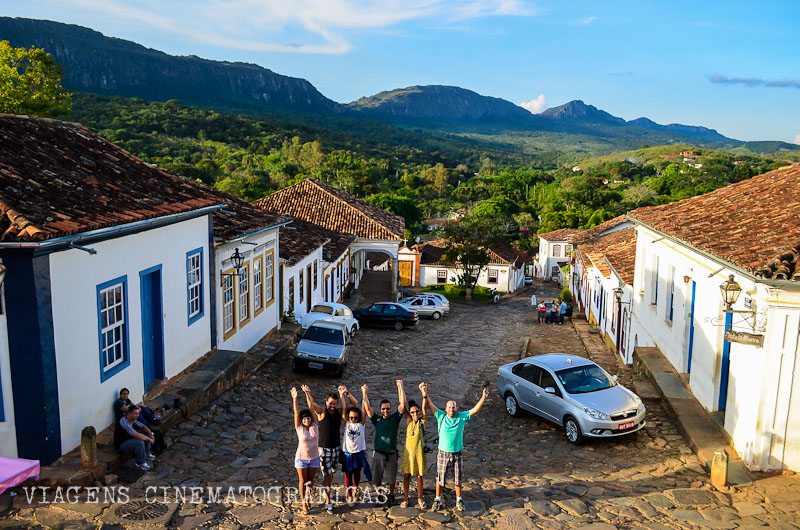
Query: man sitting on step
[132,435]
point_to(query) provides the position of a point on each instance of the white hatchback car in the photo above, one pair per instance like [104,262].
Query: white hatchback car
[440,297]
[331,311]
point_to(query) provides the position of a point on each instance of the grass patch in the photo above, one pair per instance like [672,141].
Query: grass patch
[457,292]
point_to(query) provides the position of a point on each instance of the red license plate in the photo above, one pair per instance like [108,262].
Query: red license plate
[626,425]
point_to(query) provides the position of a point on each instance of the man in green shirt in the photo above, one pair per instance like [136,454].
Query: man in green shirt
[384,458]
[451,444]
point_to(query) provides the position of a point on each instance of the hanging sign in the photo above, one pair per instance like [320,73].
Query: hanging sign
[745,338]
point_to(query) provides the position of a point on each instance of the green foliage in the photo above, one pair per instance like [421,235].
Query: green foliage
[467,247]
[405,207]
[30,83]
[457,292]
[566,295]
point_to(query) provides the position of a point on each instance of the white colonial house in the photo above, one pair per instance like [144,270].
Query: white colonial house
[308,255]
[555,252]
[602,281]
[743,361]
[376,230]
[109,280]
[505,272]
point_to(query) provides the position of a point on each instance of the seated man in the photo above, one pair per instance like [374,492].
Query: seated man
[132,435]
[123,403]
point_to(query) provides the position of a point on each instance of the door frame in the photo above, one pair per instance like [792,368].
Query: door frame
[155,358]
[309,289]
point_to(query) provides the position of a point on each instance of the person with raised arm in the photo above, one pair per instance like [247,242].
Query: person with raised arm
[414,461]
[451,444]
[330,441]
[384,456]
[306,459]
[354,446]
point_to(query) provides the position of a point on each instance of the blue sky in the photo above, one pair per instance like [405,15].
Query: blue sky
[730,65]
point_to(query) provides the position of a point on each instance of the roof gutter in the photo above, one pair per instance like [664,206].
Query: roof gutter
[255,232]
[51,245]
[716,259]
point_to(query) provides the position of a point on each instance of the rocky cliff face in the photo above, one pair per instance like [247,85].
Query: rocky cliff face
[577,110]
[102,65]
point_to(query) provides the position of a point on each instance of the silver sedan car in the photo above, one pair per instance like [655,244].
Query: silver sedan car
[426,306]
[572,392]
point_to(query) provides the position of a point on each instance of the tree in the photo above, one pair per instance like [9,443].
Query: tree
[30,82]
[467,246]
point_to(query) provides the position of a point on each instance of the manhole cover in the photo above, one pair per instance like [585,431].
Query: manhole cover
[141,510]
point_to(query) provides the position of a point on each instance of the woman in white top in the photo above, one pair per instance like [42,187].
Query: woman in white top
[306,459]
[354,446]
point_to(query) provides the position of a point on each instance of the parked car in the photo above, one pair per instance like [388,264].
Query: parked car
[330,311]
[325,347]
[573,392]
[442,299]
[426,306]
[528,280]
[387,314]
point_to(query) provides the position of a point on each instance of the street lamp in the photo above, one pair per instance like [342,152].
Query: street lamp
[730,291]
[237,260]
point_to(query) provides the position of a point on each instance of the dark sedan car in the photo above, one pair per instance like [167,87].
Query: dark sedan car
[386,315]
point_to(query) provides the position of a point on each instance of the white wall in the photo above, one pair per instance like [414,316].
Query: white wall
[546,259]
[247,333]
[8,432]
[505,275]
[294,271]
[74,275]
[338,269]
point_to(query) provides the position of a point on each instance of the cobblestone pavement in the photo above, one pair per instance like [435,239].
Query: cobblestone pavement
[520,472]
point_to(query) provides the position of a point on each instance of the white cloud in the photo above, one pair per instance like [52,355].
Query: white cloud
[312,26]
[536,105]
[797,139]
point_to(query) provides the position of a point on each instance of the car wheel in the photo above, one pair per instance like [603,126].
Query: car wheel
[398,326]
[353,330]
[436,315]
[572,430]
[512,407]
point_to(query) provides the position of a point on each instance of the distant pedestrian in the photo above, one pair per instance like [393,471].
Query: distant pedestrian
[414,461]
[542,311]
[451,445]
[330,441]
[562,313]
[306,458]
[533,302]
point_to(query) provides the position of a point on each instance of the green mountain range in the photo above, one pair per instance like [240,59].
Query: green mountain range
[109,66]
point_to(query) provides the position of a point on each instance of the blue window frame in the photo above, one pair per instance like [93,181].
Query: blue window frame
[112,326]
[195,307]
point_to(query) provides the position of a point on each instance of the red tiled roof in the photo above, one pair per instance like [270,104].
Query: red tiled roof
[750,224]
[431,253]
[563,234]
[599,229]
[334,209]
[59,179]
[300,238]
[616,249]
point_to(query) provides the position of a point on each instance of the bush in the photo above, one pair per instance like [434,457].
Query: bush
[566,295]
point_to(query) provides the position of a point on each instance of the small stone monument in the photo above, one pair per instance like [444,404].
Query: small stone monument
[89,448]
[719,469]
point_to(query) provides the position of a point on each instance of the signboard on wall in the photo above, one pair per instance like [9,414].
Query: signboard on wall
[745,338]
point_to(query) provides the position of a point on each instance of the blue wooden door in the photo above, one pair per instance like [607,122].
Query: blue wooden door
[726,362]
[152,326]
[691,331]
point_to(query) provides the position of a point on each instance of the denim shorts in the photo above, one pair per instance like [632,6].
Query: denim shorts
[299,463]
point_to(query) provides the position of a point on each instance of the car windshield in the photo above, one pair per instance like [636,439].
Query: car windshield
[322,309]
[326,335]
[583,379]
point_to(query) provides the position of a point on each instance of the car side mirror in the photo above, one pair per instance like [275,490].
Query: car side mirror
[550,390]
[614,377]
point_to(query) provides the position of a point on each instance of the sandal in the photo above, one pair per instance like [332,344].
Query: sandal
[421,504]
[404,504]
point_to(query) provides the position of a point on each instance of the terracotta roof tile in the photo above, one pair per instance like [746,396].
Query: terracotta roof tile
[334,209]
[59,179]
[616,249]
[599,229]
[431,253]
[563,234]
[300,238]
[750,224]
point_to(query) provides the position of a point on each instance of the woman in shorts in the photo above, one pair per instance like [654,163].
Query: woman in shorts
[306,459]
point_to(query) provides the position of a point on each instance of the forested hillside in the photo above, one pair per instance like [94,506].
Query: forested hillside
[412,174]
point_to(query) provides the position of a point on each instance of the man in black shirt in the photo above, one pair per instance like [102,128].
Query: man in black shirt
[330,439]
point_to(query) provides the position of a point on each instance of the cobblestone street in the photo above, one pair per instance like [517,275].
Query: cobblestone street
[520,472]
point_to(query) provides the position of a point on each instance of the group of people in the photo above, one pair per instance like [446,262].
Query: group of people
[135,430]
[550,315]
[319,446]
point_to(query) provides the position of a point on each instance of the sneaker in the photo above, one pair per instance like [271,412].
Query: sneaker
[459,505]
[151,456]
[389,500]
[144,467]
[329,508]
[437,505]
